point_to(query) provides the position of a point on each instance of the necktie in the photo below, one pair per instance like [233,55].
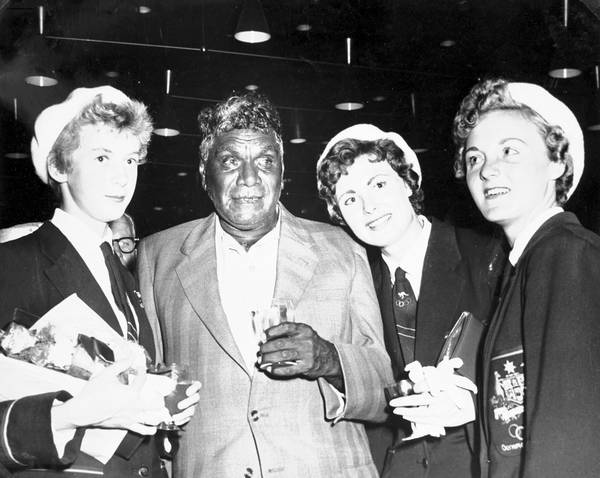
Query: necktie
[405,312]
[118,285]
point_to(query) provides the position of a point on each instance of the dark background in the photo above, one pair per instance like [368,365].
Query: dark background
[397,55]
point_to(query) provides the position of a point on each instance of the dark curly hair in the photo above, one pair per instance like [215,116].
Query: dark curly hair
[492,95]
[342,155]
[248,110]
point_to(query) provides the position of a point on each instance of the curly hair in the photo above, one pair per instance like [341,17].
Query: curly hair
[248,110]
[343,154]
[492,95]
[131,117]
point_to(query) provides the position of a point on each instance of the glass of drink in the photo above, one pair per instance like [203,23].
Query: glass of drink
[179,374]
[280,311]
[401,388]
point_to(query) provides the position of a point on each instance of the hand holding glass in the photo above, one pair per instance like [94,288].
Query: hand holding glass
[280,311]
[179,374]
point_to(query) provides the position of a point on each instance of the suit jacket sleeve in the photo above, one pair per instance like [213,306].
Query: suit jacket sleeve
[561,338]
[146,279]
[365,364]
[26,439]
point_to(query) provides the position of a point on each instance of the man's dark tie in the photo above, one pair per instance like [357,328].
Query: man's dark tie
[405,313]
[118,285]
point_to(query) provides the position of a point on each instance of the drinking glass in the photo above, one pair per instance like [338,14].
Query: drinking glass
[179,374]
[280,311]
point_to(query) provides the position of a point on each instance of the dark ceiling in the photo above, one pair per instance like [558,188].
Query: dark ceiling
[408,81]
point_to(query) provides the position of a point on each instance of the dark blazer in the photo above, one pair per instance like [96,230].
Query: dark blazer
[460,273]
[38,272]
[35,448]
[549,424]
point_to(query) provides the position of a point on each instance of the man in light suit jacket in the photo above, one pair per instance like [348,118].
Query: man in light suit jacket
[298,413]
[371,181]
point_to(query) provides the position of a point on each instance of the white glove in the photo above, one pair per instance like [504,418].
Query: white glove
[442,398]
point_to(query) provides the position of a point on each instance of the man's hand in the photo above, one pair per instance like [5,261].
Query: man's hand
[312,356]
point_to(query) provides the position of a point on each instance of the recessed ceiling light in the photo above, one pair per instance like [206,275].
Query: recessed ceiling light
[16,155]
[304,27]
[349,106]
[379,98]
[112,74]
[166,132]
[40,80]
[143,9]
[564,73]
[158,208]
[251,87]
[298,140]
[447,43]
[182,174]
[420,150]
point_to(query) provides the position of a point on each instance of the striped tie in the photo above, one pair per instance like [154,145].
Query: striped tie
[405,313]
[118,286]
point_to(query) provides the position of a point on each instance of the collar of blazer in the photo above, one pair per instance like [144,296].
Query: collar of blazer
[69,273]
[296,262]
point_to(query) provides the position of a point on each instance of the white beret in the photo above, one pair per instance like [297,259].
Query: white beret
[51,121]
[369,132]
[556,113]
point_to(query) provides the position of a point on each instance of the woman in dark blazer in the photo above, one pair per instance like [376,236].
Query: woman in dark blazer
[521,152]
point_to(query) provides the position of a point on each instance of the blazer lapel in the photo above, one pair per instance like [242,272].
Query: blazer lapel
[69,273]
[441,288]
[296,260]
[197,272]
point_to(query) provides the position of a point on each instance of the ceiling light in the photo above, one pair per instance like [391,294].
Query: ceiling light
[447,43]
[167,124]
[252,24]
[594,111]
[350,96]
[251,87]
[17,135]
[143,9]
[182,174]
[40,80]
[111,74]
[158,208]
[297,136]
[41,71]
[304,27]
[561,65]
[16,155]
[379,98]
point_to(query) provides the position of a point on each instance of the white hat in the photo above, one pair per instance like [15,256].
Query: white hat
[369,132]
[556,113]
[51,121]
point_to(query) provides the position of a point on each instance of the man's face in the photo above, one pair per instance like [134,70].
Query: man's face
[122,228]
[243,178]
[101,179]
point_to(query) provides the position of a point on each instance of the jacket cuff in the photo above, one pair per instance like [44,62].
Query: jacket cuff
[27,432]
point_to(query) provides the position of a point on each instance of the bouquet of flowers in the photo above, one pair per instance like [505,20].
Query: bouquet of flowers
[60,352]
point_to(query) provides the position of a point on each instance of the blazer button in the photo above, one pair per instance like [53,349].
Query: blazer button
[248,473]
[144,471]
[254,415]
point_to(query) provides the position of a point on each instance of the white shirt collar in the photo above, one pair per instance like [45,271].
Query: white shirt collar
[413,258]
[526,234]
[246,280]
[78,233]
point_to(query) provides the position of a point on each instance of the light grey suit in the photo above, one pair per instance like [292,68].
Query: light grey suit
[248,424]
